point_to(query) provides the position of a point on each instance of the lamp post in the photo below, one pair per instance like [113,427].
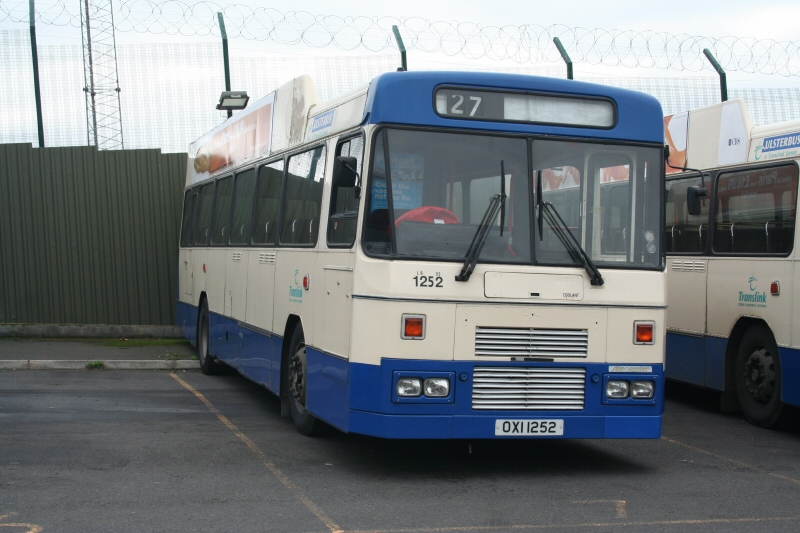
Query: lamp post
[231,101]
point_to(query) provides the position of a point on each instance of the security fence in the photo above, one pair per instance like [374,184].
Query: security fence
[88,236]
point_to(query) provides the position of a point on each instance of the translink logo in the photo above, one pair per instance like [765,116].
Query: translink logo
[752,298]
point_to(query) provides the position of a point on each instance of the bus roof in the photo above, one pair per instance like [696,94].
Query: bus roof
[407,98]
[723,134]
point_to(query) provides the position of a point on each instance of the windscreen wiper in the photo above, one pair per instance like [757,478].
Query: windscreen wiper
[564,234]
[479,239]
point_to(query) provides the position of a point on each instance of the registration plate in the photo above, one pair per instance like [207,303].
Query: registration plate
[530,428]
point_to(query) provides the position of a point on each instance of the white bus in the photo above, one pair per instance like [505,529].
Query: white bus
[732,262]
[511,285]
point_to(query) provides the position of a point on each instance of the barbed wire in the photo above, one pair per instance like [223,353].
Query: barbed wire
[526,43]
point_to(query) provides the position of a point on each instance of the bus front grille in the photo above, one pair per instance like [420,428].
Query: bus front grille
[531,342]
[527,388]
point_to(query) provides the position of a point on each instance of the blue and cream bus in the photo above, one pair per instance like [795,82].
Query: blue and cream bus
[511,285]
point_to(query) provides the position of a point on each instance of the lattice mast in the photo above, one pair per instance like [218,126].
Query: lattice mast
[101,78]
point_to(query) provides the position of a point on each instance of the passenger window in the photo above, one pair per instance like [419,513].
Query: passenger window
[686,234]
[268,203]
[756,211]
[303,201]
[343,216]
[202,234]
[222,212]
[242,220]
[187,226]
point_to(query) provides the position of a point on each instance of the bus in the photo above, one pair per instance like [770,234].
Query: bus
[436,255]
[732,321]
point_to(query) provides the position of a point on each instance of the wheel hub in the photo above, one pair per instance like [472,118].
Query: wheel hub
[298,381]
[759,375]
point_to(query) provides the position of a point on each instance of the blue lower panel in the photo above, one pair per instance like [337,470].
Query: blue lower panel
[187,321]
[686,356]
[328,388]
[696,360]
[790,367]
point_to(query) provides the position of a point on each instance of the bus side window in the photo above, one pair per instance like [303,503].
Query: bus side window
[343,215]
[268,203]
[303,200]
[242,219]
[202,234]
[187,227]
[756,211]
[222,212]
[686,234]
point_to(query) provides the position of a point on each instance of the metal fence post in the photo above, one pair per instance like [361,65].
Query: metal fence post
[36,89]
[400,46]
[723,81]
[564,56]
[225,56]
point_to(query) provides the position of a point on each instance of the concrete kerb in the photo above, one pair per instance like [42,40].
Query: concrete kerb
[24,364]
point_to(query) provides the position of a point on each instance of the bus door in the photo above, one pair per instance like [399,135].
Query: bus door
[219,334]
[687,272]
[258,363]
[238,253]
[202,238]
[337,266]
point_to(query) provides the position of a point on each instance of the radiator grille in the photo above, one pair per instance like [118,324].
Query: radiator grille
[525,388]
[531,342]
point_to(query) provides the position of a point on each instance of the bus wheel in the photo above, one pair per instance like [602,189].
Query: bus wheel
[758,377]
[306,423]
[207,363]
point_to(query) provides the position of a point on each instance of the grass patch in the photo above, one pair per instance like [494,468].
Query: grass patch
[138,343]
[94,365]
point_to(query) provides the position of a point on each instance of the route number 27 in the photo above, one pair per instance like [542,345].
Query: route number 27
[457,101]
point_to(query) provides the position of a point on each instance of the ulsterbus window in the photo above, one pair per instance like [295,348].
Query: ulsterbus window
[685,233]
[268,203]
[223,199]
[242,219]
[756,211]
[614,184]
[561,187]
[202,234]
[344,204]
[300,223]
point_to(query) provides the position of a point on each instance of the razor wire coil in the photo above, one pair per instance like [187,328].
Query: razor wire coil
[523,44]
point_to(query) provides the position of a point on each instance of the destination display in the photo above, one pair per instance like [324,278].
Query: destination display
[455,102]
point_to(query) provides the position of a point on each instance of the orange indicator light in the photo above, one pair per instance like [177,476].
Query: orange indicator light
[644,332]
[413,327]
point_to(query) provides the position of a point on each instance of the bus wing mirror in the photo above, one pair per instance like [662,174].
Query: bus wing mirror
[693,196]
[344,172]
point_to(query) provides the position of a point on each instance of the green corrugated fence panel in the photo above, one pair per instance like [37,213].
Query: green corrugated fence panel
[89,237]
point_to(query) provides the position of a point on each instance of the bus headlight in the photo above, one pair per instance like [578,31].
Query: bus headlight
[643,390]
[617,389]
[409,387]
[436,387]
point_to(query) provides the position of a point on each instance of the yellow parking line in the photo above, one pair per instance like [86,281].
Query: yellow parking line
[622,512]
[579,526]
[734,461]
[32,528]
[319,513]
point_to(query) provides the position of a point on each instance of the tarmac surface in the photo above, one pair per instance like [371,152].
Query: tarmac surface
[85,451]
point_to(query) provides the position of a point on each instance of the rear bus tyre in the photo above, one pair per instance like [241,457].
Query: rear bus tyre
[297,386]
[207,363]
[758,378]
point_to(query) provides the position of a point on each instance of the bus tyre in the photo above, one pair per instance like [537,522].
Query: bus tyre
[305,422]
[758,377]
[207,363]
